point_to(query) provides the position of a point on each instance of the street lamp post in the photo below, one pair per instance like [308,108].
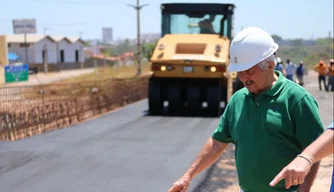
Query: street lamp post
[138,8]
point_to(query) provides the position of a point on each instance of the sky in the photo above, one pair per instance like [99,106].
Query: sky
[287,18]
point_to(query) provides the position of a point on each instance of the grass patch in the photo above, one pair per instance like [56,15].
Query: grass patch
[310,54]
[103,73]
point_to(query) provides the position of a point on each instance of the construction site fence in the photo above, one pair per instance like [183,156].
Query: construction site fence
[33,110]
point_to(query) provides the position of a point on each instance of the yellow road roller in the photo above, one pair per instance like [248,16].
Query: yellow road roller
[189,63]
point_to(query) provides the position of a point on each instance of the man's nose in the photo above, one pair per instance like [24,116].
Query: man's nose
[244,77]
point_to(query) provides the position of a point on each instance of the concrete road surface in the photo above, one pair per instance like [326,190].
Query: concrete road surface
[124,151]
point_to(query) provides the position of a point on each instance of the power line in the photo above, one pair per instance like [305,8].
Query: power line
[64,24]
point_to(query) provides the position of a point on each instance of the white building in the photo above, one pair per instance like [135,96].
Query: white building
[77,47]
[107,36]
[60,50]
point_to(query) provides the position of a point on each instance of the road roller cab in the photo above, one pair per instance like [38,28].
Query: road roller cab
[189,62]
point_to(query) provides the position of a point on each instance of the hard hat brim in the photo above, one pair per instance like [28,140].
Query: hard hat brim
[233,67]
[239,67]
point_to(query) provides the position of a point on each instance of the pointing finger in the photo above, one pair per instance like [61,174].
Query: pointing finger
[278,178]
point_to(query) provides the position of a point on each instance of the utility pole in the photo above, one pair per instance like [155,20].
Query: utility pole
[26,47]
[138,8]
[45,54]
[81,52]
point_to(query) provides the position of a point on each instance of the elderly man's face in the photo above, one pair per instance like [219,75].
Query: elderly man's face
[254,79]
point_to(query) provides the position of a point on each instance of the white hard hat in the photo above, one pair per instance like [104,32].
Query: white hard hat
[249,47]
[279,60]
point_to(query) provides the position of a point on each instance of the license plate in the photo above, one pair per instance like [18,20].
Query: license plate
[188,69]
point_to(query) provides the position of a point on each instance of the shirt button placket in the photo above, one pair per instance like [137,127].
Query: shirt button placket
[255,110]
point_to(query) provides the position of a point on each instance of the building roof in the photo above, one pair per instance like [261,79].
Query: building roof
[75,39]
[19,38]
[60,38]
[34,38]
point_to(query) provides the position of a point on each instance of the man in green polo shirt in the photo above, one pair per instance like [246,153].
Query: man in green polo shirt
[270,121]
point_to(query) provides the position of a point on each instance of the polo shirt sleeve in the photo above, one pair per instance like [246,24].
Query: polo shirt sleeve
[222,132]
[307,122]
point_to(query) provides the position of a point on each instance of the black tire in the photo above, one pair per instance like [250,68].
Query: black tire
[155,102]
[174,99]
[213,100]
[193,100]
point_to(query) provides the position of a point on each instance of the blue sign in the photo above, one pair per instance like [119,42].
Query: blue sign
[16,72]
[13,57]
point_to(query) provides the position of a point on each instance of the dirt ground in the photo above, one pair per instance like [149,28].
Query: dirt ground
[43,78]
[222,176]
[79,75]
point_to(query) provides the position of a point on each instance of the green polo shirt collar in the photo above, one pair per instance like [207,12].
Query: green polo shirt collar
[276,88]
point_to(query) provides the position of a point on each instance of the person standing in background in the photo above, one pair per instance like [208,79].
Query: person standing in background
[330,81]
[322,70]
[290,69]
[300,73]
[279,66]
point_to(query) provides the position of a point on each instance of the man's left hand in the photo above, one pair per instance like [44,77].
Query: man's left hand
[294,173]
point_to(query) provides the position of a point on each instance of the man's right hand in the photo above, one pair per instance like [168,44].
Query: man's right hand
[181,185]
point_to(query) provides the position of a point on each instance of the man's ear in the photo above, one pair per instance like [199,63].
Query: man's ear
[271,65]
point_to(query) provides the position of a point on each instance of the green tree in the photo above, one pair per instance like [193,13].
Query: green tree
[310,54]
[324,41]
[296,42]
[108,51]
[147,49]
[277,38]
[126,46]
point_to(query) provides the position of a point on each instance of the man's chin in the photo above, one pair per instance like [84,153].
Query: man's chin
[251,90]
